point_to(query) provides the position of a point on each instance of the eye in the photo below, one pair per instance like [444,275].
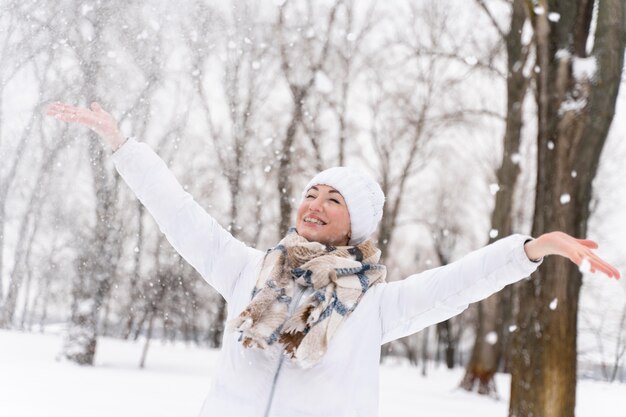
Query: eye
[310,195]
[336,201]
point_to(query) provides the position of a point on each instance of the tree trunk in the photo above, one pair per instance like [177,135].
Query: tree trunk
[95,266]
[299,92]
[217,329]
[490,328]
[444,334]
[144,351]
[574,115]
[134,279]
[31,216]
[284,167]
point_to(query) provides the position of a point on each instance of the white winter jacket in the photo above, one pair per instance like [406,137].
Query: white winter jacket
[253,383]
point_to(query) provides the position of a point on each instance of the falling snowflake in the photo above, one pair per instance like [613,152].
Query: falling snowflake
[553,304]
[565,198]
[491,338]
[471,60]
[554,17]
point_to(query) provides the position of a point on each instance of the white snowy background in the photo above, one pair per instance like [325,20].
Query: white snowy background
[147,65]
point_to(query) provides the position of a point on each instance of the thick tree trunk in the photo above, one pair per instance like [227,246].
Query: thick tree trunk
[574,117]
[490,326]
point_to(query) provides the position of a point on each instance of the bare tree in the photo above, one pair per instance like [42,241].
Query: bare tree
[491,326]
[29,221]
[245,90]
[576,93]
[300,73]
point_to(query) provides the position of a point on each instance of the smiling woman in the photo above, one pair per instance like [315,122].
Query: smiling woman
[340,206]
[323,216]
[306,318]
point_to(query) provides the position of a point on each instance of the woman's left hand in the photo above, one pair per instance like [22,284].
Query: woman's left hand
[576,250]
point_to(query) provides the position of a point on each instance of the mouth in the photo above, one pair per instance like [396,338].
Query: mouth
[313,221]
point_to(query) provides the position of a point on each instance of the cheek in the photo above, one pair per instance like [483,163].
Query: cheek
[344,215]
[300,211]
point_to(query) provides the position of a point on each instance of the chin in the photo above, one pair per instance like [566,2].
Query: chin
[310,237]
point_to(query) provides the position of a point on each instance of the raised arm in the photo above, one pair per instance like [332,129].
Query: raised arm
[423,299]
[208,247]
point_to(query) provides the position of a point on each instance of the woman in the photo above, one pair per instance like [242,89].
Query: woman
[296,344]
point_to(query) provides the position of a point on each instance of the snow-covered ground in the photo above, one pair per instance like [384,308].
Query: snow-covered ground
[176,378]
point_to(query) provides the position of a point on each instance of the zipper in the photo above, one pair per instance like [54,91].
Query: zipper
[292,307]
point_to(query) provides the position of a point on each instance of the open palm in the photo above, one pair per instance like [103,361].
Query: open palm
[95,118]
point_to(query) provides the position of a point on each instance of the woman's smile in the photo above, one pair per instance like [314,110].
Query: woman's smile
[323,216]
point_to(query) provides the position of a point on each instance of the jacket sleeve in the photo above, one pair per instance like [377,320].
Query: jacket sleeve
[420,300]
[196,236]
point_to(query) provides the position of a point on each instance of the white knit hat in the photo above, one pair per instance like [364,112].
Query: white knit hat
[363,196]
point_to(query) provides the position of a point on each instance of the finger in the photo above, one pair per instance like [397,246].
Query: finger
[610,269]
[54,107]
[83,118]
[604,268]
[65,107]
[54,111]
[598,264]
[588,243]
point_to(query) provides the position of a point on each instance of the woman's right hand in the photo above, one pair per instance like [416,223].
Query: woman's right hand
[95,118]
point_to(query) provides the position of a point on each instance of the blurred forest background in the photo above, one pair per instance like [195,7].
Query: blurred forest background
[479,118]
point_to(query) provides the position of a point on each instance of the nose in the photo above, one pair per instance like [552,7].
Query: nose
[316,204]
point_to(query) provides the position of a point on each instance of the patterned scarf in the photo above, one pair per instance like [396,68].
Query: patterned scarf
[340,277]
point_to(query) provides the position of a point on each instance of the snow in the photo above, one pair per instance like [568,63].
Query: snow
[516,158]
[562,54]
[323,84]
[494,188]
[565,198]
[471,60]
[584,68]
[177,378]
[554,17]
[491,338]
[585,266]
[493,233]
[554,303]
[573,105]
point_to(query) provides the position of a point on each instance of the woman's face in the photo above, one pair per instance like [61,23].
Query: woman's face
[323,216]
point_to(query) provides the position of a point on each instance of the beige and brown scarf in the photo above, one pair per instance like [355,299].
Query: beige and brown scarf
[340,276]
